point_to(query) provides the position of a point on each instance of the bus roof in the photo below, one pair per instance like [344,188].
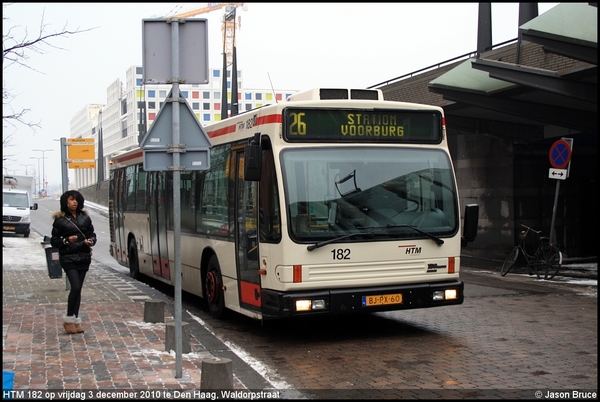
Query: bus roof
[337,93]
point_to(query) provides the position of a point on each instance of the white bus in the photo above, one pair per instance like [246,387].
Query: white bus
[332,202]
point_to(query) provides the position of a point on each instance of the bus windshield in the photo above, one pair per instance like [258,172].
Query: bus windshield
[369,193]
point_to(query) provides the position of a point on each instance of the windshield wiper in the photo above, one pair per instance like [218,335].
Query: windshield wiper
[370,233]
[432,237]
[335,239]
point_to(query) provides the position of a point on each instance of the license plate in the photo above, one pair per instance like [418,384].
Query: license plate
[380,300]
[12,228]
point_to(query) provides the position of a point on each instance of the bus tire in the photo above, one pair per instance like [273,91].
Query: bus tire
[134,266]
[213,289]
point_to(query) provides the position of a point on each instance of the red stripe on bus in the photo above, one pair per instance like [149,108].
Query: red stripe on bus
[132,156]
[222,131]
[268,119]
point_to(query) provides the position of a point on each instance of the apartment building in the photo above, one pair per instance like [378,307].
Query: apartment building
[132,107]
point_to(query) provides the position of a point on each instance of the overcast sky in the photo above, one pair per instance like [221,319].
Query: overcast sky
[298,45]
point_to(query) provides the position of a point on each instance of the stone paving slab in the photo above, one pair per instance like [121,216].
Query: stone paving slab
[118,351]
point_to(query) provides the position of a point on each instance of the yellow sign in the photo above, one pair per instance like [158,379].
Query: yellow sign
[79,140]
[82,165]
[85,152]
[81,153]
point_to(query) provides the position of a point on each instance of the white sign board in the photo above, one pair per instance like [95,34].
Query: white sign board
[157,51]
[558,174]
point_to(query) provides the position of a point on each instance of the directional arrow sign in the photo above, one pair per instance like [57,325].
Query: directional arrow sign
[558,174]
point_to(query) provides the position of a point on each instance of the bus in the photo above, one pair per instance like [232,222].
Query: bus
[334,201]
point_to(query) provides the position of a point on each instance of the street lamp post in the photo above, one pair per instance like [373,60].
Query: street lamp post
[39,188]
[43,151]
[26,164]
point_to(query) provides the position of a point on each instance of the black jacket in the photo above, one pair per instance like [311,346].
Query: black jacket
[64,226]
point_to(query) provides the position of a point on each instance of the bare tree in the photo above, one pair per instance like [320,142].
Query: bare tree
[17,44]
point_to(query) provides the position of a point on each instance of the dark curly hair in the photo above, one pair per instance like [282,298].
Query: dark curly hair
[71,193]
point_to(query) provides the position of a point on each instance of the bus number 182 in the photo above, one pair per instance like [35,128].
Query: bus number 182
[341,253]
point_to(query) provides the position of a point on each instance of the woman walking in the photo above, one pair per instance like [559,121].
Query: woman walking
[73,235]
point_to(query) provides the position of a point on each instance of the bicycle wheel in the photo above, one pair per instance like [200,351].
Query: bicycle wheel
[510,261]
[548,262]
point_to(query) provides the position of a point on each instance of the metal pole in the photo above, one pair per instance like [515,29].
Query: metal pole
[64,165]
[44,175]
[43,151]
[26,165]
[176,197]
[38,189]
[554,208]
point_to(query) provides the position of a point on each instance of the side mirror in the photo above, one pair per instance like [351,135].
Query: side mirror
[252,162]
[471,221]
[35,206]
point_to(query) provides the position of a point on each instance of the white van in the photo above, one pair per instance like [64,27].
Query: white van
[16,207]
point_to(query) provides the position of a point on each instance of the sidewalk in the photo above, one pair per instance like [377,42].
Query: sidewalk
[118,351]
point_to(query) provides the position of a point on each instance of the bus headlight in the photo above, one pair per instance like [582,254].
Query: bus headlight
[448,294]
[451,294]
[303,305]
[310,305]
[319,304]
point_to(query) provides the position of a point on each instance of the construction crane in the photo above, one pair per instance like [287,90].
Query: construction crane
[228,26]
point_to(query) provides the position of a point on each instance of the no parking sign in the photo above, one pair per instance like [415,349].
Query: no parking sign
[560,158]
[560,154]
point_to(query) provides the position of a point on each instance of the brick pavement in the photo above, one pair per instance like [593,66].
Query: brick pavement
[118,351]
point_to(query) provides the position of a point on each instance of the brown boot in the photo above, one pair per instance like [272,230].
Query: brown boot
[78,327]
[70,324]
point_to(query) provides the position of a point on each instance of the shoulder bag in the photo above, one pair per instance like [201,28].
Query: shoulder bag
[84,236]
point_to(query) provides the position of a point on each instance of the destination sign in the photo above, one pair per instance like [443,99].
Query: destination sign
[357,125]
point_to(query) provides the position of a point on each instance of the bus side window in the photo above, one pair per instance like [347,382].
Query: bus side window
[131,176]
[141,203]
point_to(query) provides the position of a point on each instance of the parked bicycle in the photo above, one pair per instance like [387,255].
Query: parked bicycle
[545,262]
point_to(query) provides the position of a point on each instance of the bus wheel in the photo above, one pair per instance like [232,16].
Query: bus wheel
[213,289]
[134,266]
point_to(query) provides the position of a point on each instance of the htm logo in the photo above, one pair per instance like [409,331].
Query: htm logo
[13,394]
[411,249]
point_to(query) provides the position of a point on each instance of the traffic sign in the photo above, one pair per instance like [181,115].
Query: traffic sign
[560,154]
[558,174]
[193,138]
[192,49]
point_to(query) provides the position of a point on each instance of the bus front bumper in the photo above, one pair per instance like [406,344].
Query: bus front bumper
[363,300]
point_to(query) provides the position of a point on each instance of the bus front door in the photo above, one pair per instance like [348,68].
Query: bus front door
[158,224]
[247,238]
[118,222]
